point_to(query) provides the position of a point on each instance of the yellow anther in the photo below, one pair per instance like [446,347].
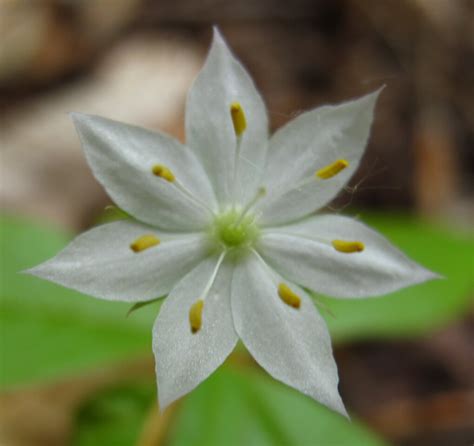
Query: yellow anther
[195,315]
[288,296]
[332,169]
[348,246]
[163,172]
[144,242]
[238,118]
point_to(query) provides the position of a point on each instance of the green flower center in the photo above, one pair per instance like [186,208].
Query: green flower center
[233,230]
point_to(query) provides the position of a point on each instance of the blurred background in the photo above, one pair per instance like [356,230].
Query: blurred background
[77,371]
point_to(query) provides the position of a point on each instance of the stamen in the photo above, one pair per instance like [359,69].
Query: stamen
[163,172]
[195,315]
[322,174]
[332,169]
[238,118]
[195,312]
[191,196]
[261,192]
[144,242]
[348,247]
[240,124]
[288,296]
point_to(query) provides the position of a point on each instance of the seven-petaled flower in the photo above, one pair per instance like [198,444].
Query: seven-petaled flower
[225,226]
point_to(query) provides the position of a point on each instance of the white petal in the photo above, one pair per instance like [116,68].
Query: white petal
[293,345]
[184,359]
[209,128]
[122,156]
[100,262]
[302,252]
[310,142]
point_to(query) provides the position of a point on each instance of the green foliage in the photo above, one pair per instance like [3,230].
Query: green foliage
[112,213]
[418,309]
[114,416]
[233,407]
[48,331]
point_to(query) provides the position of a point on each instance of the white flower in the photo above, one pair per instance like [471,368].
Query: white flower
[225,226]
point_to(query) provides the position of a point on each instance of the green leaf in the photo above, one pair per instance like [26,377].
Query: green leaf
[112,213]
[139,305]
[237,407]
[48,331]
[114,416]
[233,407]
[418,309]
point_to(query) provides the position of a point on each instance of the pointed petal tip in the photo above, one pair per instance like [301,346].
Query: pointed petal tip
[76,116]
[379,90]
[432,275]
[422,274]
[44,271]
[215,31]
[79,119]
[166,401]
[28,271]
[343,412]
[86,119]
[336,405]
[33,271]
[162,405]
[218,40]
[373,97]
[370,97]
[368,100]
